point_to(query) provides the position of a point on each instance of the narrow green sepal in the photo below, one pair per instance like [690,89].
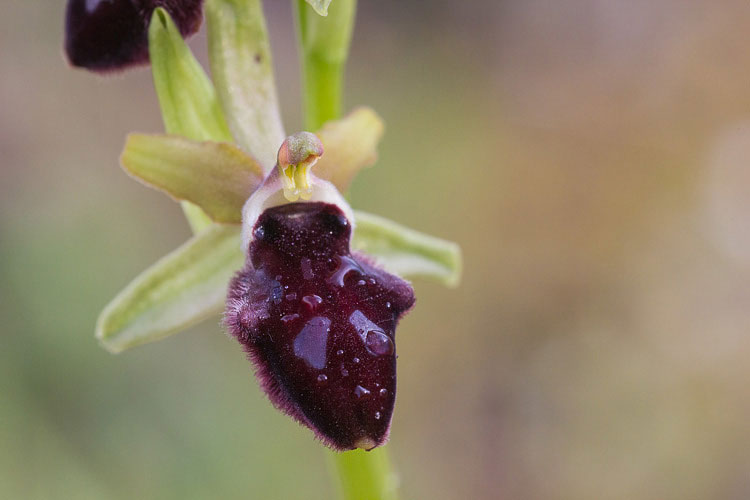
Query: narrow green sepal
[188,101]
[216,176]
[407,252]
[240,57]
[181,289]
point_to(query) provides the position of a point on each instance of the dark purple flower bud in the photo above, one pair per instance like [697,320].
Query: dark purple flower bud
[319,324]
[104,35]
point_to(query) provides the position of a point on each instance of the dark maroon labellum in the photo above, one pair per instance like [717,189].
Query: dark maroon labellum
[104,35]
[319,324]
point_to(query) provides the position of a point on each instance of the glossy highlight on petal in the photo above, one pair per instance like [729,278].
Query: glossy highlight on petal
[104,35]
[319,324]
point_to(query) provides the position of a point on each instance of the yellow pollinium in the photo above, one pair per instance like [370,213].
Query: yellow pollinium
[297,155]
[296,181]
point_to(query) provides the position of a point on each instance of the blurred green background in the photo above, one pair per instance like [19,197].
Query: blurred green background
[592,157]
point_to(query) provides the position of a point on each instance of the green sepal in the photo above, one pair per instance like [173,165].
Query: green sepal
[320,6]
[188,101]
[181,289]
[407,252]
[349,145]
[240,58]
[216,176]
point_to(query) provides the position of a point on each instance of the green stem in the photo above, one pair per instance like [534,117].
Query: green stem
[364,475]
[324,47]
[323,90]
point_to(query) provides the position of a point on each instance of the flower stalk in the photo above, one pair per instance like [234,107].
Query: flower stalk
[324,47]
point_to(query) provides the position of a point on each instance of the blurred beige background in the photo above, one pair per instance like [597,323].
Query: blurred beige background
[592,157]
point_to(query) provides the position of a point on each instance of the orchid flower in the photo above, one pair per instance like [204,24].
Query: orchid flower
[315,288]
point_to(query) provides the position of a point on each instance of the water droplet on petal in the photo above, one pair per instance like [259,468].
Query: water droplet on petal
[344,371]
[377,415]
[355,361]
[310,343]
[378,343]
[374,338]
[346,266]
[360,391]
[306,266]
[322,378]
[383,391]
[289,317]
[339,352]
[312,301]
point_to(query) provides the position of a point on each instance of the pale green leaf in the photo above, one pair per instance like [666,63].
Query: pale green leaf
[406,252]
[320,6]
[188,101]
[183,288]
[240,58]
[349,145]
[216,176]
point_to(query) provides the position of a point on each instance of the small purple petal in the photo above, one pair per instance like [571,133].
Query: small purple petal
[105,35]
[319,324]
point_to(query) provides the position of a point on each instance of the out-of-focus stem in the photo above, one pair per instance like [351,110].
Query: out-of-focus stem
[324,47]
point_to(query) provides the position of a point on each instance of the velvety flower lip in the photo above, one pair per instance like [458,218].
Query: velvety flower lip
[318,321]
[105,35]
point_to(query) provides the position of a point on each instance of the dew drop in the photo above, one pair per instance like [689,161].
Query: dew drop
[378,343]
[306,267]
[277,294]
[289,317]
[344,371]
[346,266]
[310,343]
[322,378]
[374,338]
[387,305]
[377,415]
[383,391]
[291,296]
[361,282]
[355,361]
[339,352]
[312,301]
[360,391]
